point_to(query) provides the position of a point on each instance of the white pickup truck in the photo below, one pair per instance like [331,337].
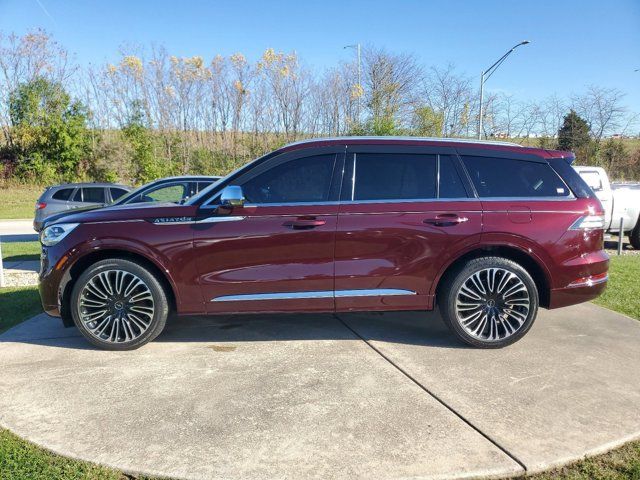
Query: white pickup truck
[618,200]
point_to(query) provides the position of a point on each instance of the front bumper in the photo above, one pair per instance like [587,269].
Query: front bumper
[53,279]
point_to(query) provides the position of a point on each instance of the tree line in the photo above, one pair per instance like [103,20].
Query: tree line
[152,114]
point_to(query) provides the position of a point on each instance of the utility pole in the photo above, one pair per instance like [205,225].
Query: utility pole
[484,76]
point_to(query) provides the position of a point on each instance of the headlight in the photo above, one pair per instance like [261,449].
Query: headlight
[54,233]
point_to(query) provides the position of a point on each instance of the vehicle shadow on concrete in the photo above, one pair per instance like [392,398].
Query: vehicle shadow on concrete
[414,328]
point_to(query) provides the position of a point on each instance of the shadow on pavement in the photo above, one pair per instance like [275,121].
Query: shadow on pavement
[414,328]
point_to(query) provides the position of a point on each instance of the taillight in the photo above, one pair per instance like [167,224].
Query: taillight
[588,222]
[40,205]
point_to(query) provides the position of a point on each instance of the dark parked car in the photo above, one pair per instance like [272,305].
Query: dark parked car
[486,231]
[170,189]
[69,196]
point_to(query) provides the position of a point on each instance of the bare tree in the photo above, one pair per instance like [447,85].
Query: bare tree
[451,95]
[602,108]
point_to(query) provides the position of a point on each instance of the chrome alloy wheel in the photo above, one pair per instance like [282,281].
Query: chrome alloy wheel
[492,304]
[116,306]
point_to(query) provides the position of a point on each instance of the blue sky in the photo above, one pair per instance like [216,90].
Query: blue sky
[574,43]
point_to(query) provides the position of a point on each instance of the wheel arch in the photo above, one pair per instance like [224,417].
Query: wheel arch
[84,262]
[533,265]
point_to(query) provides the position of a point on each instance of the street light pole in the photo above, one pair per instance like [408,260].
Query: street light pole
[357,47]
[484,76]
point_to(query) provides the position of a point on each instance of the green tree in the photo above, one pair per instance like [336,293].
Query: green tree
[614,155]
[50,131]
[144,165]
[428,122]
[573,135]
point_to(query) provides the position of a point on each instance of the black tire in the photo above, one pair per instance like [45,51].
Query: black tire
[141,313]
[502,317]
[634,236]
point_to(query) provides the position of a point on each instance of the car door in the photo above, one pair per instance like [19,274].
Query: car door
[274,253]
[398,225]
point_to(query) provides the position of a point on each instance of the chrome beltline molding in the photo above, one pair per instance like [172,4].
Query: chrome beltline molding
[375,292]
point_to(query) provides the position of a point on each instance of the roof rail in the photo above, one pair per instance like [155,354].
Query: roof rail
[405,138]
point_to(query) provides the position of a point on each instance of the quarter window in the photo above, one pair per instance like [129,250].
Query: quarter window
[63,194]
[394,176]
[116,193]
[503,177]
[304,180]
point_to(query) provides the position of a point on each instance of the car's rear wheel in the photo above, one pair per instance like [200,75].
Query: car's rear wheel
[119,305]
[490,302]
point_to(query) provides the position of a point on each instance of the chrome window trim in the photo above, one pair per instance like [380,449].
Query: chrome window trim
[376,292]
[115,221]
[409,200]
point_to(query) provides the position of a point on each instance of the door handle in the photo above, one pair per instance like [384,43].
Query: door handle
[446,220]
[304,223]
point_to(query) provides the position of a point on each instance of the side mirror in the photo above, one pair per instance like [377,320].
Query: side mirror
[232,196]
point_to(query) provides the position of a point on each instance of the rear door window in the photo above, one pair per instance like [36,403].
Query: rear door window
[504,177]
[394,176]
[451,185]
[62,194]
[93,195]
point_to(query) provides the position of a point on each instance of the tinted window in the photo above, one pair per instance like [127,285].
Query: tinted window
[302,180]
[173,192]
[116,193]
[451,185]
[202,186]
[502,177]
[394,176]
[78,196]
[93,195]
[63,194]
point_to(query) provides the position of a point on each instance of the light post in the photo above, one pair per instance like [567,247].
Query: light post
[357,47]
[484,76]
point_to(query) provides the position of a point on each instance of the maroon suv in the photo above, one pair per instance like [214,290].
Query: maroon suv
[486,231]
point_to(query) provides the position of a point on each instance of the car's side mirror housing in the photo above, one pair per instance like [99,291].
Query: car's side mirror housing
[232,196]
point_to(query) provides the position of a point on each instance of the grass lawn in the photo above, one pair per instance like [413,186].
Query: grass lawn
[15,251]
[16,305]
[620,464]
[22,460]
[623,291]
[18,201]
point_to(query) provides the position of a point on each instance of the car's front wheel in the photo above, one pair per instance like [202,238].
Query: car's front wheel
[490,302]
[119,305]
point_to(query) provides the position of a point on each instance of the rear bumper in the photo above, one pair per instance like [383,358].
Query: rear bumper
[563,297]
[582,279]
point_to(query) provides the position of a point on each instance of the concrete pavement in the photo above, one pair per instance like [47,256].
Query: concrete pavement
[300,396]
[12,228]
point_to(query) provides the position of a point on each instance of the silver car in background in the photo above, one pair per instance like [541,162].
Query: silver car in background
[69,196]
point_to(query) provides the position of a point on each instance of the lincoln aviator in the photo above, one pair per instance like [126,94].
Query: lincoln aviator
[485,232]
